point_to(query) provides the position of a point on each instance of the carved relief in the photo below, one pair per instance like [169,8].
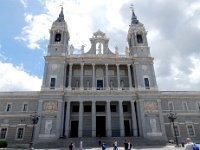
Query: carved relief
[48,127]
[150,107]
[144,67]
[54,66]
[50,106]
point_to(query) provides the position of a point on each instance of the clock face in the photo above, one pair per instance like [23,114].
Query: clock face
[58,37]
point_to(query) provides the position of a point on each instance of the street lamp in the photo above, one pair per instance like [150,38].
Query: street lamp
[34,117]
[172,116]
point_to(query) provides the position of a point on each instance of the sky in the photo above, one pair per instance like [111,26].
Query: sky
[173,37]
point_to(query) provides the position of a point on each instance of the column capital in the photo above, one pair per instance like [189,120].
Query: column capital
[117,65]
[128,65]
[71,64]
[108,101]
[120,101]
[106,65]
[133,101]
[93,64]
[82,64]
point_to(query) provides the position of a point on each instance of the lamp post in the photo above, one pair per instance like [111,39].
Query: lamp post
[172,116]
[34,118]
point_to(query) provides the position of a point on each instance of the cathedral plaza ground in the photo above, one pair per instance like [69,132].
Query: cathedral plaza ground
[168,147]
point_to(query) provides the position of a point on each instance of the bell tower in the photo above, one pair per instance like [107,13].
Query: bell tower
[143,62]
[54,70]
[137,40]
[59,37]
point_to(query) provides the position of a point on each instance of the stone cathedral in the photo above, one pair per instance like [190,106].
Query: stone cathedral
[98,94]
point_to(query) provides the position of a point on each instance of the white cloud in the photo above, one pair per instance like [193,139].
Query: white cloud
[195,75]
[36,30]
[24,3]
[79,16]
[172,36]
[14,78]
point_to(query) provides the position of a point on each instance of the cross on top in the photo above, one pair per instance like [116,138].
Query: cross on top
[61,5]
[132,7]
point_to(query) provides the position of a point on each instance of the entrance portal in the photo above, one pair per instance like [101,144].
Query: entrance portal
[99,84]
[127,128]
[100,126]
[74,128]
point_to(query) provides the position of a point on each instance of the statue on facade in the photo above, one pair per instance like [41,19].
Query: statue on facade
[153,125]
[127,51]
[71,49]
[48,126]
[82,49]
[99,48]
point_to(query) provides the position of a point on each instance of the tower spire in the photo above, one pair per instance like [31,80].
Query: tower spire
[133,18]
[61,15]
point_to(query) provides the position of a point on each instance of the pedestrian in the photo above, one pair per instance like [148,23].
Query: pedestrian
[183,144]
[73,146]
[99,142]
[129,145]
[115,145]
[81,145]
[103,146]
[125,145]
[190,145]
[70,146]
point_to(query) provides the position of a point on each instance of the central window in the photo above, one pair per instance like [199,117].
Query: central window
[99,84]
[100,108]
[58,37]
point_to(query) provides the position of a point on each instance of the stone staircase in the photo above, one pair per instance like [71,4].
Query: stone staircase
[94,142]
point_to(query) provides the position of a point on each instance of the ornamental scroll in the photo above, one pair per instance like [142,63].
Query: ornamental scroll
[150,106]
[50,106]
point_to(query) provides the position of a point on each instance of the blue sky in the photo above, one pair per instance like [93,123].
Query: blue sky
[16,52]
[173,36]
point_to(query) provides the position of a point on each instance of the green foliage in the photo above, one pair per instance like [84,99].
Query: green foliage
[3,144]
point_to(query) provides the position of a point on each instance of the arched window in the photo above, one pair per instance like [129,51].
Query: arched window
[139,38]
[57,37]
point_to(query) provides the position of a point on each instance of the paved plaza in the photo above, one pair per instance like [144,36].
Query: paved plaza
[169,147]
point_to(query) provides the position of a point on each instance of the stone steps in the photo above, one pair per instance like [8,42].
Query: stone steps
[94,142]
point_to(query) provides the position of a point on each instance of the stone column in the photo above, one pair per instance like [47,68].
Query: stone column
[134,76]
[93,76]
[108,119]
[118,77]
[129,77]
[81,86]
[39,124]
[107,86]
[93,119]
[59,118]
[70,76]
[134,121]
[67,119]
[161,119]
[80,124]
[121,119]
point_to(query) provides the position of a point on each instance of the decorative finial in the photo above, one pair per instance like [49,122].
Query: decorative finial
[134,18]
[61,5]
[61,15]
[132,7]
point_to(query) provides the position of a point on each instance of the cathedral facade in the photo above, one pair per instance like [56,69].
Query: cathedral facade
[98,93]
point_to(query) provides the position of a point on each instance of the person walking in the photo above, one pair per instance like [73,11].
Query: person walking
[70,146]
[129,145]
[81,145]
[103,146]
[190,145]
[115,145]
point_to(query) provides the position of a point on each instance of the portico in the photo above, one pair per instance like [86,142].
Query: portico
[111,115]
